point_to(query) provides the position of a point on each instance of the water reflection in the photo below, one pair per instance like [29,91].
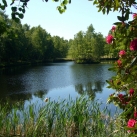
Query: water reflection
[90,88]
[94,72]
[40,94]
[54,80]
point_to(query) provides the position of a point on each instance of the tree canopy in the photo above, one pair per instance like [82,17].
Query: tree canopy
[20,42]
[87,46]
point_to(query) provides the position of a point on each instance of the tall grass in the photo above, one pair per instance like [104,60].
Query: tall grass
[65,118]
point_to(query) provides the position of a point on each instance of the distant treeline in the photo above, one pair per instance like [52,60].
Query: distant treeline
[20,42]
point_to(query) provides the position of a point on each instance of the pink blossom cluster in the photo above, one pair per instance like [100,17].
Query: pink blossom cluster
[131,123]
[109,39]
[113,28]
[133,45]
[125,100]
[122,53]
[119,62]
[131,91]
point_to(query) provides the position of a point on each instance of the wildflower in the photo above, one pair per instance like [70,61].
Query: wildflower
[113,28]
[131,123]
[109,39]
[122,53]
[131,91]
[119,62]
[120,96]
[133,45]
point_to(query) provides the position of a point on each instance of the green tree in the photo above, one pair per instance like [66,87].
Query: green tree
[60,47]
[98,46]
[42,46]
[77,46]
[87,45]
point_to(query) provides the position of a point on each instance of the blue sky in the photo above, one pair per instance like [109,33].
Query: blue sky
[78,16]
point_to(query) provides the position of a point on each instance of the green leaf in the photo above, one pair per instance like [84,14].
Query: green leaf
[23,10]
[99,9]
[117,4]
[65,2]
[14,9]
[2,7]
[21,16]
[127,112]
[65,7]
[108,9]
[95,2]
[103,10]
[13,15]
[20,9]
[17,20]
[5,3]
[109,87]
[127,15]
[25,4]
[119,18]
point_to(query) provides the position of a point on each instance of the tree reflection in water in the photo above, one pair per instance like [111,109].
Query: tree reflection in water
[41,93]
[90,88]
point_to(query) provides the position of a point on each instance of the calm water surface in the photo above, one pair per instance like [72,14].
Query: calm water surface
[55,80]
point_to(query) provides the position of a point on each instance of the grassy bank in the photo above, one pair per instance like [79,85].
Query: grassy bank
[67,118]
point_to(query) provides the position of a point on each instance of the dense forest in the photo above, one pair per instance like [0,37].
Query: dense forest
[20,42]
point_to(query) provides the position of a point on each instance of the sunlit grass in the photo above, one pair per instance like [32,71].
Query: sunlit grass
[65,118]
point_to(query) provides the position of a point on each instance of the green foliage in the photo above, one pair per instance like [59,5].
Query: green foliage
[87,46]
[60,47]
[124,43]
[67,118]
[21,43]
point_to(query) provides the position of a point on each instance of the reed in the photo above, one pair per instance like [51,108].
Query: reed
[63,118]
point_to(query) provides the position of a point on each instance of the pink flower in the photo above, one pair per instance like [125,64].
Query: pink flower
[109,39]
[131,91]
[119,62]
[113,28]
[122,53]
[131,123]
[120,96]
[133,44]
[135,114]
[134,15]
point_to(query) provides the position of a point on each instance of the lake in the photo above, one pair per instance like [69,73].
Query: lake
[55,81]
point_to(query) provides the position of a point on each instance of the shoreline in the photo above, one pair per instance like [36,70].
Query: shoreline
[37,62]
